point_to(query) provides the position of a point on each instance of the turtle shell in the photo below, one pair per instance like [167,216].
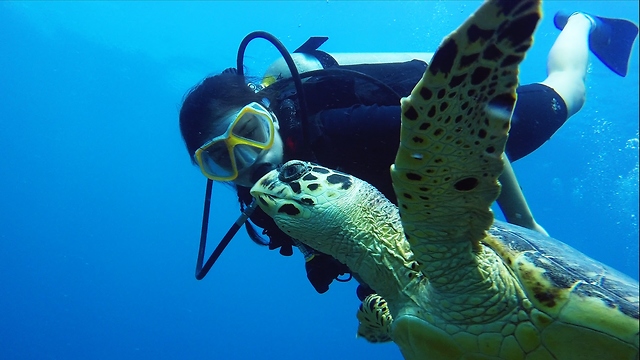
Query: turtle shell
[568,286]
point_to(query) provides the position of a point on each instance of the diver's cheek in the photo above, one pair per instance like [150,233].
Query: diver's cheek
[275,154]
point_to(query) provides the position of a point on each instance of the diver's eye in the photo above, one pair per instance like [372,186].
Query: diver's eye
[219,154]
[249,133]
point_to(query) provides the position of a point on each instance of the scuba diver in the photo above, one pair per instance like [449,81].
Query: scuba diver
[345,115]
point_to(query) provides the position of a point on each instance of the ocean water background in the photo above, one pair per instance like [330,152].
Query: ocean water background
[101,207]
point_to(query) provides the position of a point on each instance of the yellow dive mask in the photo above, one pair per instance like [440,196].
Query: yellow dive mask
[250,132]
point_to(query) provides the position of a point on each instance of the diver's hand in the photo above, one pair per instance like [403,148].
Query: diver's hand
[537,227]
[279,240]
[322,269]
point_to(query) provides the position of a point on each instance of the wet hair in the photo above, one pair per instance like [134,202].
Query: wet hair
[207,103]
[202,109]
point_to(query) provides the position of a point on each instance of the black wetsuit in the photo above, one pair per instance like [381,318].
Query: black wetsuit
[354,127]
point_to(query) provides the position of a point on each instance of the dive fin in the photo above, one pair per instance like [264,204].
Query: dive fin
[610,40]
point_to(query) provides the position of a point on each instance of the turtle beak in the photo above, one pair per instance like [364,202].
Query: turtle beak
[266,191]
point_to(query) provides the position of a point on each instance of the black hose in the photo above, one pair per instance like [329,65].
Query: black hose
[295,75]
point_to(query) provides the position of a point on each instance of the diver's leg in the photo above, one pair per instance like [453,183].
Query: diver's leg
[567,62]
[512,202]
[542,108]
[610,40]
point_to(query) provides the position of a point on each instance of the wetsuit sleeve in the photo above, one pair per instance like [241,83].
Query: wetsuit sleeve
[363,140]
[538,114]
[359,140]
[362,123]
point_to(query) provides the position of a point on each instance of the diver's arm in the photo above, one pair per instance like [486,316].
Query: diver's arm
[512,202]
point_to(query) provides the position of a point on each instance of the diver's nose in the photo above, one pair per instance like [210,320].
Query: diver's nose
[293,170]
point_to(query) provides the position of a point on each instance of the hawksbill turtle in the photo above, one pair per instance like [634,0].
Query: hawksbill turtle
[450,281]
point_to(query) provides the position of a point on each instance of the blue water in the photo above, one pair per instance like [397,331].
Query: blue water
[101,208]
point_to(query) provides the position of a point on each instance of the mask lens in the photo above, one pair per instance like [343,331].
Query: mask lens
[246,156]
[254,127]
[216,160]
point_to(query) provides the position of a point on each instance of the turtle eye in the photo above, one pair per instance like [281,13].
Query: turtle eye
[293,170]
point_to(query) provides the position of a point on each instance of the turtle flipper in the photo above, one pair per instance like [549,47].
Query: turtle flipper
[454,129]
[375,319]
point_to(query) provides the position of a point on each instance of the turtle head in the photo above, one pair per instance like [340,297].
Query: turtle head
[306,200]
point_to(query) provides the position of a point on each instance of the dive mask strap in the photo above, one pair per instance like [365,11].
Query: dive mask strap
[201,271]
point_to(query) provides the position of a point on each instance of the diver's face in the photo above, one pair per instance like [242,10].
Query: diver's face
[268,160]
[249,146]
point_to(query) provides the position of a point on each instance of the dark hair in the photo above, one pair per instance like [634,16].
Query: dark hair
[203,106]
[208,102]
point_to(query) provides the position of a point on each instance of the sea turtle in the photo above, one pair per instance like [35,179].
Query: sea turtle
[450,282]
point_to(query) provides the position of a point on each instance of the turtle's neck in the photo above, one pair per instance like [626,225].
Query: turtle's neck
[366,235]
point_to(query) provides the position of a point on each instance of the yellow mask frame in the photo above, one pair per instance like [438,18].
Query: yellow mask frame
[254,121]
